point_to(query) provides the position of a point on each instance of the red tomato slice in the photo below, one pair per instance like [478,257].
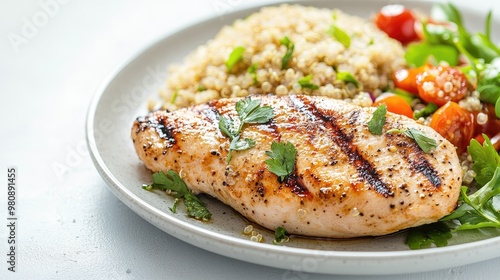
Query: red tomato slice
[454,123]
[398,22]
[396,104]
[406,79]
[440,84]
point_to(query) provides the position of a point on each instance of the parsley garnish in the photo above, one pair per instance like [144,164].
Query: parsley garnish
[249,112]
[290,46]
[173,182]
[340,35]
[347,77]
[425,143]
[305,82]
[376,124]
[280,236]
[282,159]
[235,56]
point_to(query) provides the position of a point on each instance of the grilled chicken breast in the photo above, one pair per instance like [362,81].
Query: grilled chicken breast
[347,181]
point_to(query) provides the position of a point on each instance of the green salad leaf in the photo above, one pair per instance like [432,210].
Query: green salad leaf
[425,236]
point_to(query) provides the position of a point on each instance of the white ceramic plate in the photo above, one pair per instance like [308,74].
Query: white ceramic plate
[122,98]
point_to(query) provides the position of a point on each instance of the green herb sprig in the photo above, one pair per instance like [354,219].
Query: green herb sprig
[305,82]
[428,110]
[377,122]
[290,46]
[425,143]
[249,112]
[340,35]
[235,57]
[280,236]
[173,182]
[281,159]
[347,77]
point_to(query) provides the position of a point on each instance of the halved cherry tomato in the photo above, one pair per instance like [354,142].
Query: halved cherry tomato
[406,79]
[396,104]
[491,126]
[455,124]
[440,84]
[398,22]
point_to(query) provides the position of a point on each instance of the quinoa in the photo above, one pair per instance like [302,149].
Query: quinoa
[371,58]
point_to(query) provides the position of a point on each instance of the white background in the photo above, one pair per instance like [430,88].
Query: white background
[70,225]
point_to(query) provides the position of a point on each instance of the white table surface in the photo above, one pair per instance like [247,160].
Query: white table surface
[70,225]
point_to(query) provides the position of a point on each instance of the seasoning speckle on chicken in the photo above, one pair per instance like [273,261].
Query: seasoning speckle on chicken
[347,182]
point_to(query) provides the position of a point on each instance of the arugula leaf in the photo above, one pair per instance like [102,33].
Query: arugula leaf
[477,210]
[347,77]
[282,159]
[290,46]
[427,111]
[425,143]
[173,182]
[235,57]
[376,124]
[280,236]
[305,82]
[340,35]
[446,12]
[426,235]
[485,159]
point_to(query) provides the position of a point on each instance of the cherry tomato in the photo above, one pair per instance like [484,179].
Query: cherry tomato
[455,124]
[395,104]
[406,79]
[491,126]
[440,84]
[398,22]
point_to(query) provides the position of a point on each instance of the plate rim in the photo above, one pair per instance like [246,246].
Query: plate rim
[140,207]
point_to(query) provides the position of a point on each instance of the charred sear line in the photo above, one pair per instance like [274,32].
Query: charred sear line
[211,114]
[165,130]
[416,159]
[344,141]
[296,185]
[353,117]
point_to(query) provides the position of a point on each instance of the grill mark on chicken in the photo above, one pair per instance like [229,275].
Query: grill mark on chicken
[211,114]
[294,182]
[364,168]
[415,157]
[165,130]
